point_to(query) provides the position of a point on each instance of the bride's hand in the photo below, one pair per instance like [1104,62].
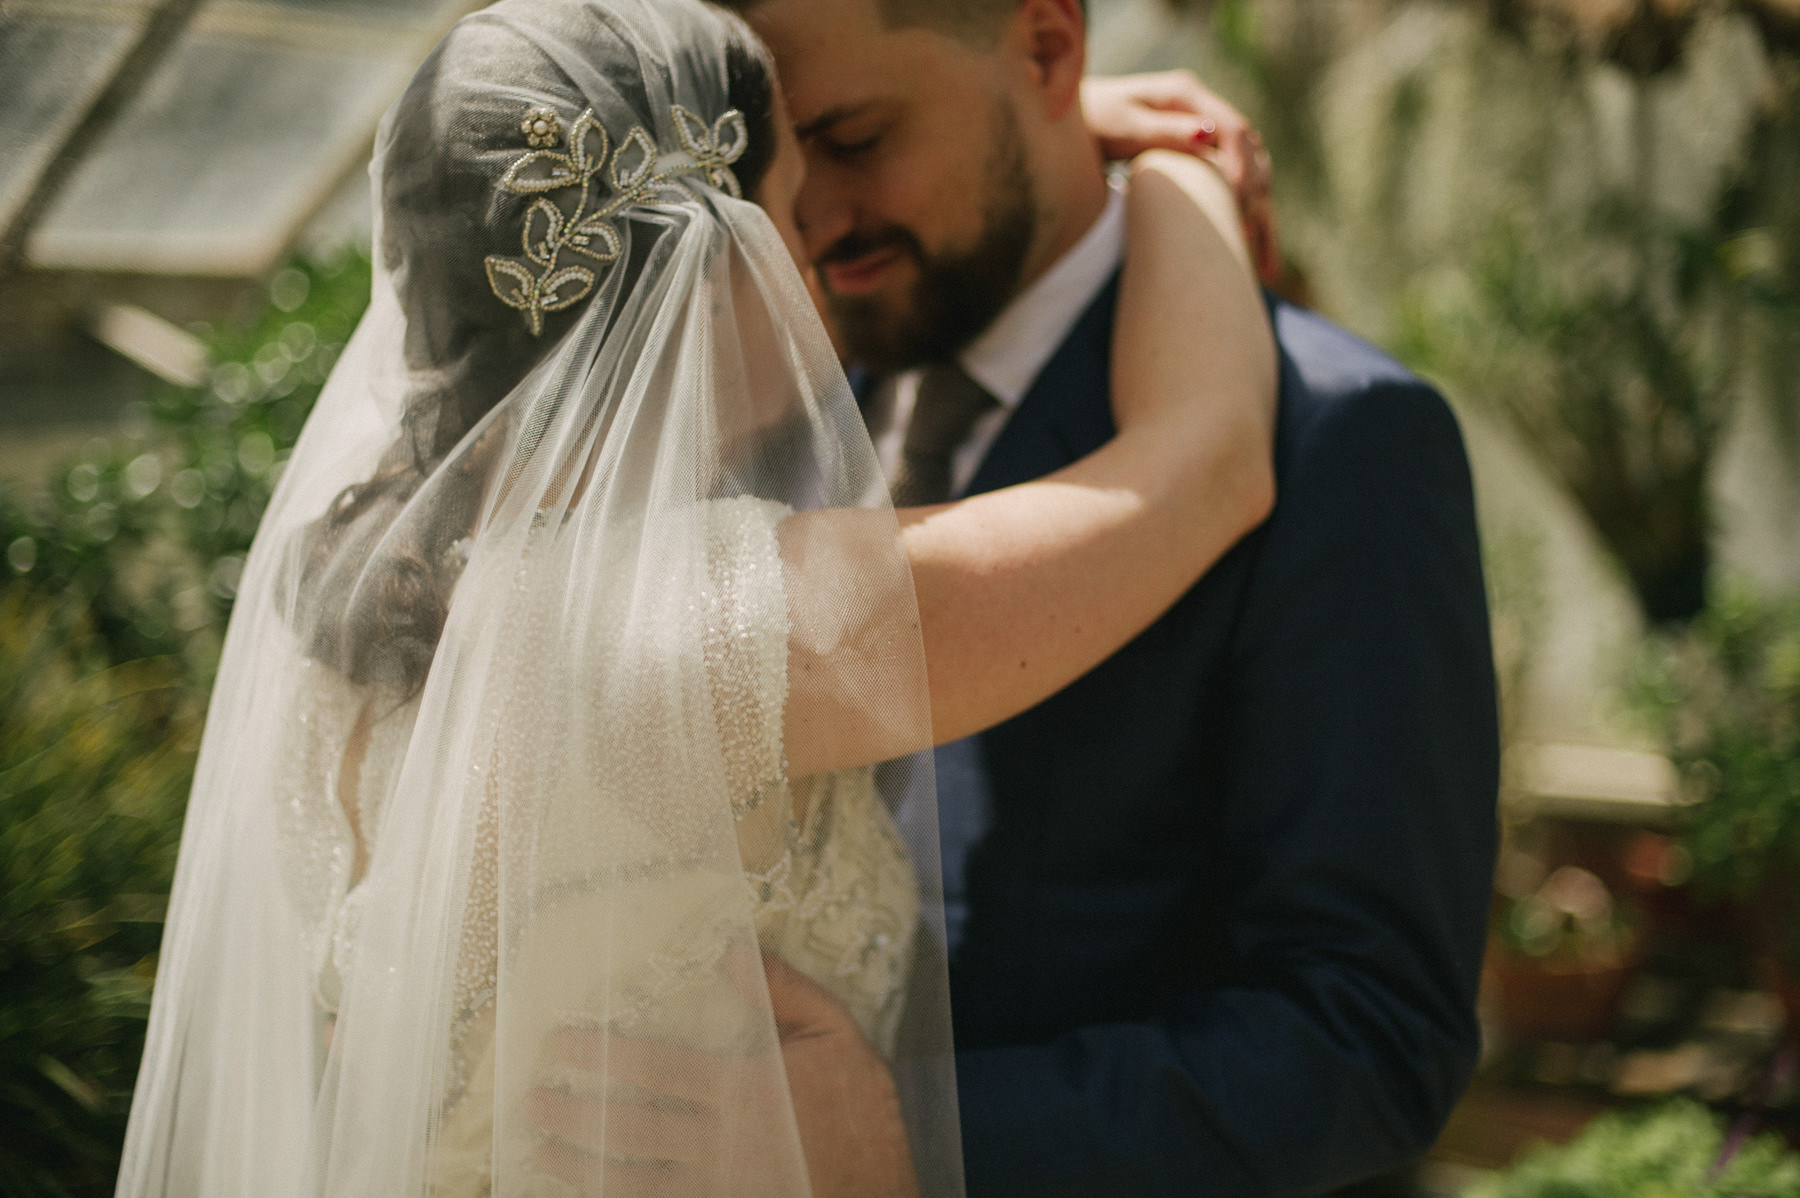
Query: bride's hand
[652,1119]
[1172,110]
[669,1140]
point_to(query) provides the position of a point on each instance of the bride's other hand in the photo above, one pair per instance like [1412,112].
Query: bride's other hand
[653,1120]
[665,1143]
[1172,110]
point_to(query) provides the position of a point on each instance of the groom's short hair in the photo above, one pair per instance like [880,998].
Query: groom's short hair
[977,21]
[974,21]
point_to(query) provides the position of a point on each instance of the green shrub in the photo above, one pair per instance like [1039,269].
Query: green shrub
[115,585]
[1725,693]
[147,534]
[1664,1152]
[94,768]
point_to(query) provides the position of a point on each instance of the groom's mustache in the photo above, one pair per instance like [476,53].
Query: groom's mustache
[863,242]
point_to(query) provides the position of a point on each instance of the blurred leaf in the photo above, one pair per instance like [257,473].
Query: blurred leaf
[94,768]
[1725,695]
[115,585]
[1667,1151]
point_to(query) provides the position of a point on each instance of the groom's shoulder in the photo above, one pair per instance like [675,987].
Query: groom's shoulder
[1327,360]
[1338,391]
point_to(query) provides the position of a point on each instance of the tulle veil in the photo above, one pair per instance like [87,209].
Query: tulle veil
[583,547]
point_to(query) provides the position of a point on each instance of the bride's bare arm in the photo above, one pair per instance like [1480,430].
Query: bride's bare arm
[1021,591]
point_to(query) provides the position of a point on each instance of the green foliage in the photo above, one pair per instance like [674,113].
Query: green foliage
[1613,346]
[93,771]
[1667,1151]
[114,590]
[236,435]
[148,534]
[1485,191]
[1726,694]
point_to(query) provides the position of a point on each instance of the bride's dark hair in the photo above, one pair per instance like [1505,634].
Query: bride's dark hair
[375,587]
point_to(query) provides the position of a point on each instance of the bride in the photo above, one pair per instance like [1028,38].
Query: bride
[583,679]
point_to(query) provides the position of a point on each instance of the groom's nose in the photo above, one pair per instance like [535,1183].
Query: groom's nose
[825,210]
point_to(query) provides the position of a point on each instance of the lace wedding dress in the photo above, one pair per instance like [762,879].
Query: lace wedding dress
[829,884]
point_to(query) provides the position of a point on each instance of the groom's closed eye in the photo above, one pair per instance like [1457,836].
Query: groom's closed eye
[831,120]
[843,150]
[846,130]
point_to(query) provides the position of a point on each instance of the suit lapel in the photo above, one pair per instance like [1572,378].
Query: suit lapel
[1067,414]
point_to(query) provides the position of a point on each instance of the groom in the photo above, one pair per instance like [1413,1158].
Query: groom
[1218,907]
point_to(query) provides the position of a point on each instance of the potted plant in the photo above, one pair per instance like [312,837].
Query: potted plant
[1558,959]
[1725,694]
[1678,1149]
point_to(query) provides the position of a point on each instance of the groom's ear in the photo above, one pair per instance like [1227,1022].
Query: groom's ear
[1052,37]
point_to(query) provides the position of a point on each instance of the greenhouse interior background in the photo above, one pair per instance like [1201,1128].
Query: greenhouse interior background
[1577,217]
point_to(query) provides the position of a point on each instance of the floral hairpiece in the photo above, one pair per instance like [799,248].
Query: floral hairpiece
[637,173]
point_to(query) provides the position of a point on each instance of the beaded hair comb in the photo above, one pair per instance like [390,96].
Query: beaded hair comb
[637,172]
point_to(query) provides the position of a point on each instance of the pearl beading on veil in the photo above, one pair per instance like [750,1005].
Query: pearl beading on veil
[637,171]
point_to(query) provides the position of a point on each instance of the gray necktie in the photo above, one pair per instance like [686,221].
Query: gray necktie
[949,403]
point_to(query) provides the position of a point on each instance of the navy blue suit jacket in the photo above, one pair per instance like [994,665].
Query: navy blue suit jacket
[1225,894]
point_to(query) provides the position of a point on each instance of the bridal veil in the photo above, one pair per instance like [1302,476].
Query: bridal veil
[583,559]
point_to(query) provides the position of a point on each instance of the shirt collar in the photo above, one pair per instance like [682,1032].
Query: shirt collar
[1007,358]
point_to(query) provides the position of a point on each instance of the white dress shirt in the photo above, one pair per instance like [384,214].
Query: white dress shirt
[1007,358]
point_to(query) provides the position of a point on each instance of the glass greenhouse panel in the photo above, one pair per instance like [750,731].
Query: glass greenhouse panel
[53,68]
[231,145]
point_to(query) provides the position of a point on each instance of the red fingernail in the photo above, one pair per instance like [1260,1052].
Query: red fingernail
[1207,134]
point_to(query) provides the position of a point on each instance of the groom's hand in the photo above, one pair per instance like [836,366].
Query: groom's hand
[844,1098]
[1173,110]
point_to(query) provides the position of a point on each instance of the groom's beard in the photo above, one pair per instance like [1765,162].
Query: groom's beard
[955,295]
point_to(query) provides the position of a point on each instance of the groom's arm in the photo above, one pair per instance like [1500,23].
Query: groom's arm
[1359,799]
